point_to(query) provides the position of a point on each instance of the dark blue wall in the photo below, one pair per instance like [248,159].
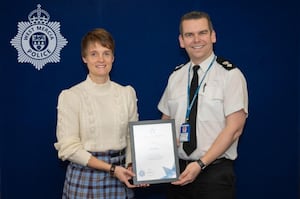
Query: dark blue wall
[261,37]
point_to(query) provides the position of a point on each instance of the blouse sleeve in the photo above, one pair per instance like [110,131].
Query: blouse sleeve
[68,143]
[132,116]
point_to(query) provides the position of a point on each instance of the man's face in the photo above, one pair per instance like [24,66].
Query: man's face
[197,39]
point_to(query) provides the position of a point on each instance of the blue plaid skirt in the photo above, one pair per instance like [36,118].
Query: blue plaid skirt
[83,182]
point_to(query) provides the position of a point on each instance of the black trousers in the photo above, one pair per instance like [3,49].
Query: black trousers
[217,181]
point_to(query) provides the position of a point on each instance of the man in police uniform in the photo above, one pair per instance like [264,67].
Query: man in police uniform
[222,108]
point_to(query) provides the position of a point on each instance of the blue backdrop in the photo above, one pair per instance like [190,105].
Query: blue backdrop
[261,37]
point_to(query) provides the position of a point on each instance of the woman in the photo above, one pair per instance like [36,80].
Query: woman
[92,126]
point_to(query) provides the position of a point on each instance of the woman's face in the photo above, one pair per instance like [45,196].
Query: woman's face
[99,60]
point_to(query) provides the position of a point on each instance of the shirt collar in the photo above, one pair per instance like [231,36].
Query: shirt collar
[205,64]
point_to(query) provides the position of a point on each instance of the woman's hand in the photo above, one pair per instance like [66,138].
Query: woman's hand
[124,175]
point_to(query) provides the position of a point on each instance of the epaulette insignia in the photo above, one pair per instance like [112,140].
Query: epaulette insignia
[225,63]
[178,67]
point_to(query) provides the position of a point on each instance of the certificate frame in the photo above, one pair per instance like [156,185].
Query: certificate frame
[154,151]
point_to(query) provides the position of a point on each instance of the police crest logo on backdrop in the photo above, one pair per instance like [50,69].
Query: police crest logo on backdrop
[38,40]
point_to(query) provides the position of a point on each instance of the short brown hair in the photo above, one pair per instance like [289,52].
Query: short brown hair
[195,15]
[99,35]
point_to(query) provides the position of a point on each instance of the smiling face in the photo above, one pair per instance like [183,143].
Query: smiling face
[97,51]
[99,60]
[197,39]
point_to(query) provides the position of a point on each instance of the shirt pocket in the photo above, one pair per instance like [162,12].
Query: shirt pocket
[210,107]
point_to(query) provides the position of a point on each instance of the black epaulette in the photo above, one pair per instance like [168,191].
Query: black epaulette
[225,63]
[178,67]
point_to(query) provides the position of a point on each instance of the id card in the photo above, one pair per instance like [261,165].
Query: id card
[185,132]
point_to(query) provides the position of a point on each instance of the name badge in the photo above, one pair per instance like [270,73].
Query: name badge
[185,132]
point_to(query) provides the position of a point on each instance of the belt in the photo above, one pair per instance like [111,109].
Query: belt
[119,156]
[110,153]
[217,161]
[114,156]
[117,153]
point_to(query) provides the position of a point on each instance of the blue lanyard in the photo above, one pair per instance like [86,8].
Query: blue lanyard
[189,106]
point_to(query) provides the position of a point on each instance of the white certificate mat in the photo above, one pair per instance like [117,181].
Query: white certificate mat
[154,151]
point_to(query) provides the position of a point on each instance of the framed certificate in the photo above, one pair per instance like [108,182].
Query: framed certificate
[154,151]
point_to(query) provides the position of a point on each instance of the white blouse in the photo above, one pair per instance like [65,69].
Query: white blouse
[94,118]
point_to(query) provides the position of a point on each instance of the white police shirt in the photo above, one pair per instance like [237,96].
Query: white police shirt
[223,91]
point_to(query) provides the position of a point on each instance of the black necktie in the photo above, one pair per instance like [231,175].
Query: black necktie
[190,146]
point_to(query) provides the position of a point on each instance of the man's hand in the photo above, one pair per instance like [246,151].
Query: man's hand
[190,173]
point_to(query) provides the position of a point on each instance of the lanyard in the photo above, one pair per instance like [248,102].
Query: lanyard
[190,105]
